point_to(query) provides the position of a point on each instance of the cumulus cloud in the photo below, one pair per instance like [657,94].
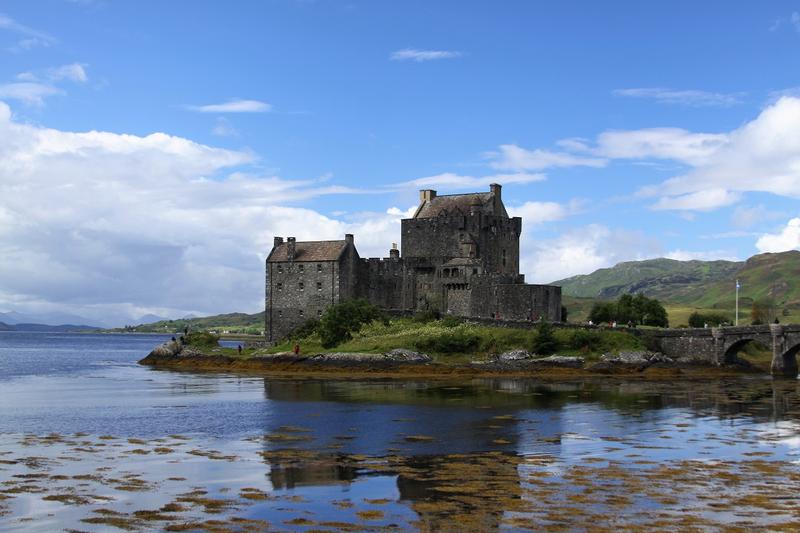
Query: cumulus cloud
[233,106]
[413,54]
[513,157]
[701,255]
[787,239]
[105,224]
[582,251]
[449,180]
[689,98]
[763,155]
[535,213]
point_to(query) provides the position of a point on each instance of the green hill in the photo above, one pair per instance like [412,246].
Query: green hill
[230,322]
[693,284]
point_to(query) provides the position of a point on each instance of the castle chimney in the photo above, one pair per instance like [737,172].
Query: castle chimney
[277,241]
[290,248]
[348,238]
[426,195]
[496,193]
[394,253]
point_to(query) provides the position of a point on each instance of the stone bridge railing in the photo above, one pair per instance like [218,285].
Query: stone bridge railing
[719,345]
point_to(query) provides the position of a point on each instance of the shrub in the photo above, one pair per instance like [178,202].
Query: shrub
[340,321]
[586,340]
[426,316]
[202,339]
[451,321]
[699,320]
[455,342]
[544,342]
[308,328]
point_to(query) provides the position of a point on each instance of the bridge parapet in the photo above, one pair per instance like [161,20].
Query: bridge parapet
[719,345]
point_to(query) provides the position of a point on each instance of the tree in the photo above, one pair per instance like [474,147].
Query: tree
[637,310]
[763,311]
[699,320]
[340,321]
[544,342]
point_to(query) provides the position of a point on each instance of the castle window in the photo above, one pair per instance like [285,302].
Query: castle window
[301,286]
[319,267]
[474,270]
[302,313]
[319,312]
[280,314]
[280,269]
[301,268]
[504,258]
[319,286]
[280,286]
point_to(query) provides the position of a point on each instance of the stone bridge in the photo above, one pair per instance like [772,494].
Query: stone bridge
[719,345]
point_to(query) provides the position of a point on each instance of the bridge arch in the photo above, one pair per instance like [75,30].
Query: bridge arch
[790,356]
[730,351]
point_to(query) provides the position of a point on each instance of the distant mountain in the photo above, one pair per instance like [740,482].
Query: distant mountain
[6,327]
[706,284]
[52,319]
[150,318]
[56,329]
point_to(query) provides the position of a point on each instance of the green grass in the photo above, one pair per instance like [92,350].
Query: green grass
[407,333]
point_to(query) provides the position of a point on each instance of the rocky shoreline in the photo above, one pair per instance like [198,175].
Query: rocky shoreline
[407,363]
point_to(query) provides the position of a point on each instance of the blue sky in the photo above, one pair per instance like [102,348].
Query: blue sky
[150,150]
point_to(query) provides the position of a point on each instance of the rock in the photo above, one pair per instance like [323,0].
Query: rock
[640,359]
[402,355]
[168,349]
[562,361]
[514,355]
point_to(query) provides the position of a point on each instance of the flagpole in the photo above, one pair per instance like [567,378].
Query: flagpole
[737,302]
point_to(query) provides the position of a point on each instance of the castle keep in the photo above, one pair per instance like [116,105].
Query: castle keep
[459,255]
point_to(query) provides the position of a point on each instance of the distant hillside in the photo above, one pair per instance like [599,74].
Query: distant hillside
[232,322]
[46,328]
[702,284]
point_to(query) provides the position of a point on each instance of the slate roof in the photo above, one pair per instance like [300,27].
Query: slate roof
[457,204]
[309,251]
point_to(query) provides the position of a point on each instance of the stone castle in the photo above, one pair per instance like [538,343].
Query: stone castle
[459,255]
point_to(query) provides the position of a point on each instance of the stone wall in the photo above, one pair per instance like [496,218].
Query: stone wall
[297,291]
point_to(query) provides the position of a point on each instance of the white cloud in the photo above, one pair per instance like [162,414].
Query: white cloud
[706,255]
[233,106]
[108,225]
[660,143]
[763,155]
[413,54]
[30,93]
[535,213]
[32,38]
[706,200]
[72,72]
[224,128]
[690,98]
[787,239]
[511,156]
[582,251]
[449,180]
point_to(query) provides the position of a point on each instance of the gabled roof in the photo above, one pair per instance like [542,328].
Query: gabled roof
[458,204]
[309,251]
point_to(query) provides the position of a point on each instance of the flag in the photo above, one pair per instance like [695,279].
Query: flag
[737,284]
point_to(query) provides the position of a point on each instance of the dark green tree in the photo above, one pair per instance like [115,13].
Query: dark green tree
[544,342]
[340,321]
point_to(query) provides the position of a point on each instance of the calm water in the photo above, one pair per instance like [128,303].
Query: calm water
[91,441]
